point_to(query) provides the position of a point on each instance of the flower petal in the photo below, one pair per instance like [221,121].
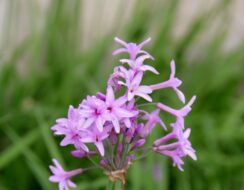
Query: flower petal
[100,147]
[149,68]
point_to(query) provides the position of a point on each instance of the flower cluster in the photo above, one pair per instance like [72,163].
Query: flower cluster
[112,126]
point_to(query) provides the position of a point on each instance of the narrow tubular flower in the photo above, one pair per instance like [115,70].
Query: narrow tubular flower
[62,177]
[114,129]
[173,83]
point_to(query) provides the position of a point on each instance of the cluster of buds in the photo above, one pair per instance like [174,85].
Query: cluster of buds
[112,128]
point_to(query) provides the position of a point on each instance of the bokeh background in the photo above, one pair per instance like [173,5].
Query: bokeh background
[55,52]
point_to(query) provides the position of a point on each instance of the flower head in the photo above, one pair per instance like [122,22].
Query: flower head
[115,127]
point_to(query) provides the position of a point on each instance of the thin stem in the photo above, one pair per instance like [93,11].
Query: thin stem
[92,161]
[144,155]
[117,144]
[119,185]
[125,151]
[142,149]
[110,185]
[111,153]
[147,104]
[90,168]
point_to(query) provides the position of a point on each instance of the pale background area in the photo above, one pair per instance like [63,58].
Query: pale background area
[98,18]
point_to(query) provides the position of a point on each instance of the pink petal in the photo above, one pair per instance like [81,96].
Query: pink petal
[160,121]
[120,112]
[141,59]
[120,50]
[187,133]
[130,95]
[116,125]
[110,94]
[71,184]
[144,89]
[66,141]
[71,112]
[149,68]
[54,179]
[100,147]
[144,42]
[99,124]
[172,66]
[144,52]
[145,96]
[128,61]
[87,139]
[84,147]
[192,155]
[121,101]
[180,95]
[120,41]
[127,123]
[88,122]
[63,186]
[137,80]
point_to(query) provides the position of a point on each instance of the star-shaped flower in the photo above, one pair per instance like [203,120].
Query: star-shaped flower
[62,177]
[131,48]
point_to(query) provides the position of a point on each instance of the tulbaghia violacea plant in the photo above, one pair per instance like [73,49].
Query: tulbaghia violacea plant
[113,128]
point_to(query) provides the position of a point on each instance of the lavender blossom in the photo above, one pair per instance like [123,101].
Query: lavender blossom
[131,48]
[62,177]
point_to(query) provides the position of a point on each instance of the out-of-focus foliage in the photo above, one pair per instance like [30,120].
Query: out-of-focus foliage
[48,70]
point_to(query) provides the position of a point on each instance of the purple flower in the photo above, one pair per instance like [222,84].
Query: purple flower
[62,177]
[71,128]
[63,124]
[94,110]
[173,83]
[137,65]
[179,114]
[135,89]
[131,48]
[96,137]
[115,126]
[176,150]
[176,158]
[115,109]
[152,120]
[115,78]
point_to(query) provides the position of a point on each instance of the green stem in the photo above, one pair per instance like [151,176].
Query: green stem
[125,151]
[110,185]
[111,154]
[144,155]
[116,146]
[92,161]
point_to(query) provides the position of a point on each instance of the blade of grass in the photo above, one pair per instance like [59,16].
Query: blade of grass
[13,151]
[48,138]
[33,161]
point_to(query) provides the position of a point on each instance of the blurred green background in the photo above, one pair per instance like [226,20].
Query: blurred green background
[55,52]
